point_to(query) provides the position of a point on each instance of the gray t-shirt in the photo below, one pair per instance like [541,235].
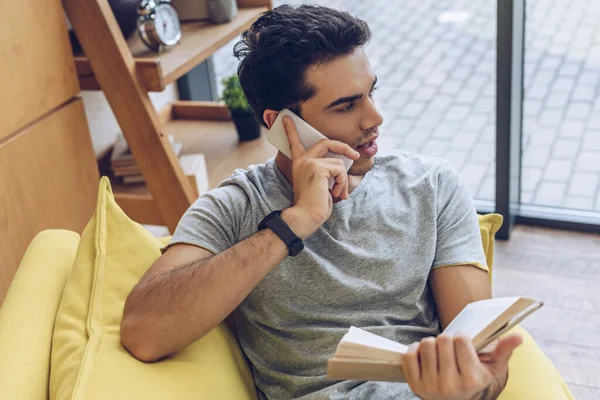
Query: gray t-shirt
[367,266]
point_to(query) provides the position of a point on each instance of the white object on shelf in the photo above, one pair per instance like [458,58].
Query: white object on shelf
[195,164]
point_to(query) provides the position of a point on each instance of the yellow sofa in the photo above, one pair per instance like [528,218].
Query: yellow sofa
[211,368]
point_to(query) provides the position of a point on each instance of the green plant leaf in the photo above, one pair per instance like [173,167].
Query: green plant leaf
[234,97]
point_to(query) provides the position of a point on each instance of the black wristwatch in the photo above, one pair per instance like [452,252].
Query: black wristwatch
[274,222]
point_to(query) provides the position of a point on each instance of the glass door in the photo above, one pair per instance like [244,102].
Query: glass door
[561,124]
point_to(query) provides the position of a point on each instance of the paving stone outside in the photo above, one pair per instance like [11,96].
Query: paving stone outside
[437,90]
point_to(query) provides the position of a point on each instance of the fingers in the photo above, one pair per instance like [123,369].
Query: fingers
[337,171]
[473,376]
[296,147]
[428,357]
[410,365]
[466,356]
[325,146]
[319,150]
[505,348]
[430,368]
[448,369]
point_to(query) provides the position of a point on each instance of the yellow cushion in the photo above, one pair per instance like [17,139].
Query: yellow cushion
[27,314]
[88,361]
[532,376]
[488,226]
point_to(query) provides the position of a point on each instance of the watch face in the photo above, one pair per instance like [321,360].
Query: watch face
[296,248]
[167,24]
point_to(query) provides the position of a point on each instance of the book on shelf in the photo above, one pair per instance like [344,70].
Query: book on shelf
[123,164]
[133,179]
[364,356]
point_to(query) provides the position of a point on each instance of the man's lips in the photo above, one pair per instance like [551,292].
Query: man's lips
[371,139]
[368,150]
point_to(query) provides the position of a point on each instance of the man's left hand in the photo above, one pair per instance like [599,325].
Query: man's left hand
[448,368]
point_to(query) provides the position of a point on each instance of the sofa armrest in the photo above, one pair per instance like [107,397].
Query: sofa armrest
[531,375]
[28,312]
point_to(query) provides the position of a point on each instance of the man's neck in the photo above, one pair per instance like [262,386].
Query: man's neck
[285,166]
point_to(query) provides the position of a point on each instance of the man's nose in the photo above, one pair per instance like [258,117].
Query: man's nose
[372,118]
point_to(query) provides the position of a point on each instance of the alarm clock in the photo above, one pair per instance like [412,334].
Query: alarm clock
[158,24]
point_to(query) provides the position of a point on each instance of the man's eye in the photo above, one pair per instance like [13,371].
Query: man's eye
[349,107]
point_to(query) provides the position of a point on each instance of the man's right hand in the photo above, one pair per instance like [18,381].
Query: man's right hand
[310,178]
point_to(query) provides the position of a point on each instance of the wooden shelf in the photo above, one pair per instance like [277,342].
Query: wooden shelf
[126,71]
[199,41]
[202,127]
[218,141]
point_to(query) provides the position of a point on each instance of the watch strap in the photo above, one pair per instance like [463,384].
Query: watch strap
[274,222]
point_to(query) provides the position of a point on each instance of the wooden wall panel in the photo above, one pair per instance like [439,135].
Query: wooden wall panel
[48,179]
[37,70]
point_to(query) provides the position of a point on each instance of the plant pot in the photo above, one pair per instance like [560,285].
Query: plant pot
[247,126]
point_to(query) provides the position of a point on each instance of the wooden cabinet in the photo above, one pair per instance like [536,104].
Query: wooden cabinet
[48,170]
[37,71]
[48,180]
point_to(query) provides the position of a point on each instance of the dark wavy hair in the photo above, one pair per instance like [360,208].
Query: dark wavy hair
[282,44]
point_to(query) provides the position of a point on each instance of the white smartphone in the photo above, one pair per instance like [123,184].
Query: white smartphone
[308,135]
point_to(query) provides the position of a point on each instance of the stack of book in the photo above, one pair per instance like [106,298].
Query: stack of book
[125,168]
[123,164]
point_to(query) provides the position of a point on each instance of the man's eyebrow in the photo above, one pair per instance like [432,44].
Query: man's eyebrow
[348,99]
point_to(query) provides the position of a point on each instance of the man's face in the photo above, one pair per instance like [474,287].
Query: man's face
[343,108]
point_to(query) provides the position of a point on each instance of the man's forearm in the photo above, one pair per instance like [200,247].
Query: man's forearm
[172,310]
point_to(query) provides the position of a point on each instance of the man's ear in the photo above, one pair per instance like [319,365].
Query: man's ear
[269,116]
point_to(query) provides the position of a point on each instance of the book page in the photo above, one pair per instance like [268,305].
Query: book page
[359,336]
[478,315]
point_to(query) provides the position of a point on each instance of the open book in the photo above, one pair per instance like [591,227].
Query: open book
[364,356]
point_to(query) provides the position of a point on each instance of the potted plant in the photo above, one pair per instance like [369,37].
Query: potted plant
[241,112]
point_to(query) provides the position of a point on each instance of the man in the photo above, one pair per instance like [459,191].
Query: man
[393,248]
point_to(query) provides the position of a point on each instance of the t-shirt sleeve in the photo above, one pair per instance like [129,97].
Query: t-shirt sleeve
[214,221]
[458,236]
